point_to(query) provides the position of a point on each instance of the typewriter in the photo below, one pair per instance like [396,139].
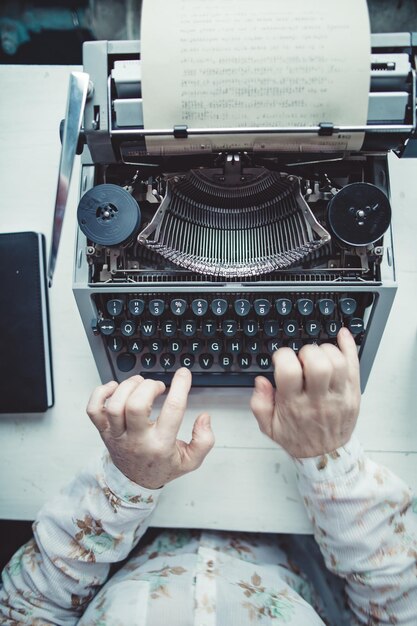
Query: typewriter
[215,261]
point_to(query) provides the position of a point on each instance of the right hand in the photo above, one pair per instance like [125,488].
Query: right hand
[148,452]
[315,405]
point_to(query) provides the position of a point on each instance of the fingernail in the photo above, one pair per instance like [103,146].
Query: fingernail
[183,371]
[206,422]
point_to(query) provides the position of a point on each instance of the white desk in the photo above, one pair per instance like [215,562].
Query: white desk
[246,482]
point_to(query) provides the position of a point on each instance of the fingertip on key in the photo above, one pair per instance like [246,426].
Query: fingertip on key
[183,372]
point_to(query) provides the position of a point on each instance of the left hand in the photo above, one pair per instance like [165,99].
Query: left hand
[148,452]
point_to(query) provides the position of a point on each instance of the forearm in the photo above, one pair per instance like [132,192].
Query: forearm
[367,531]
[96,521]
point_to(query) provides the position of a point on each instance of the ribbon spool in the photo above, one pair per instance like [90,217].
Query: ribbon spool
[359,214]
[108,215]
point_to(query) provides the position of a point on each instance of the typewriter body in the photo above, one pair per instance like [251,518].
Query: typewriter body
[214,261]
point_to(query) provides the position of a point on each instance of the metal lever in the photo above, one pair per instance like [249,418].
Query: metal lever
[77,95]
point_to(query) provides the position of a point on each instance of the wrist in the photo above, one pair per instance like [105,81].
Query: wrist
[330,465]
[124,488]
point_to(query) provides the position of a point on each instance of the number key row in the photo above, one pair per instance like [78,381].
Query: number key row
[241,307]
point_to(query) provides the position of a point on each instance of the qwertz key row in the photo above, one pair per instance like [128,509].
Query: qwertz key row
[223,339]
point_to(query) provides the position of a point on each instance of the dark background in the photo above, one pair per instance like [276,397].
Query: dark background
[65,47]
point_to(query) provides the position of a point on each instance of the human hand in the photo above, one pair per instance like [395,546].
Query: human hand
[315,406]
[148,452]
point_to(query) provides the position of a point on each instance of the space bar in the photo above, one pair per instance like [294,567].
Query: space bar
[214,379]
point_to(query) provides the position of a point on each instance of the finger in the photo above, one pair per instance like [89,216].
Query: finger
[115,405]
[349,349]
[339,366]
[172,412]
[287,372]
[262,404]
[317,369]
[95,408]
[140,403]
[202,441]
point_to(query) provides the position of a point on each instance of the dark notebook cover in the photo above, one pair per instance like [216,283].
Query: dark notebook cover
[25,362]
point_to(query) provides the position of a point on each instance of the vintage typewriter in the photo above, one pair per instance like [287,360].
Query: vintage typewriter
[214,262]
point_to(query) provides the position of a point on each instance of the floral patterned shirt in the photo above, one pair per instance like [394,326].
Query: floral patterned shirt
[364,520]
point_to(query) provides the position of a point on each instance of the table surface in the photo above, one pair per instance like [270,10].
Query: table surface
[247,482]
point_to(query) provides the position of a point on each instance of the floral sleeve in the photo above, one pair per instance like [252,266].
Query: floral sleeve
[96,521]
[365,522]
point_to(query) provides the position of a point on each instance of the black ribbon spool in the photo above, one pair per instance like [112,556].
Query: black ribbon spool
[108,215]
[359,214]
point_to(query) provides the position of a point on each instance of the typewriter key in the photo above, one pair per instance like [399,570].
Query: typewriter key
[108,215]
[359,214]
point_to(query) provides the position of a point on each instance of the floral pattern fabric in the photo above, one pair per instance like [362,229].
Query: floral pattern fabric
[364,520]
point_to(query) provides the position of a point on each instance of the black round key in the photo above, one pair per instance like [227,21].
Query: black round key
[271,328]
[187,360]
[199,307]
[189,328]
[356,325]
[115,344]
[332,327]
[148,328]
[209,328]
[196,346]
[273,345]
[127,328]
[167,360]
[229,328]
[264,361]
[214,346]
[253,346]
[114,307]
[148,361]
[156,346]
[179,306]
[169,328]
[244,361]
[174,345]
[234,346]
[106,327]
[283,306]
[226,361]
[262,306]
[250,327]
[205,361]
[305,306]
[290,328]
[136,307]
[135,345]
[126,361]
[326,306]
[347,306]
[312,328]
[156,307]
[242,307]
[219,307]
[295,344]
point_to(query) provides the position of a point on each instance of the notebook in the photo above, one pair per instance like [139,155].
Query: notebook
[26,383]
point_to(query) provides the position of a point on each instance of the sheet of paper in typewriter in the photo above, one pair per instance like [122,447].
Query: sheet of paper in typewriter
[269,63]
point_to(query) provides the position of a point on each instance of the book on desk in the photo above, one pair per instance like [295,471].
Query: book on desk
[26,363]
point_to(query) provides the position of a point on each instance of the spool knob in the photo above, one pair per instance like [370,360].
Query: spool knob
[359,214]
[108,215]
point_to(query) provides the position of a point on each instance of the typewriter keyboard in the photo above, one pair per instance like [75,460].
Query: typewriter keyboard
[224,339]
